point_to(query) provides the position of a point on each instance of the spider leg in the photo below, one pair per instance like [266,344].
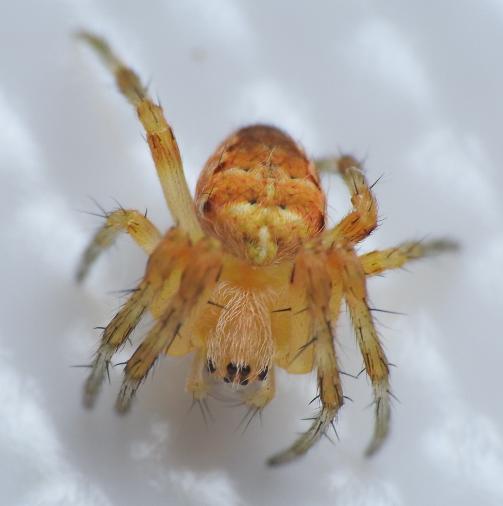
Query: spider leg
[196,381]
[160,137]
[198,278]
[157,341]
[329,381]
[330,391]
[376,262]
[114,336]
[376,364]
[362,220]
[138,226]
[160,283]
[265,392]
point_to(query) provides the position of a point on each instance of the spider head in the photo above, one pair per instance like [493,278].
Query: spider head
[239,343]
[260,196]
[240,350]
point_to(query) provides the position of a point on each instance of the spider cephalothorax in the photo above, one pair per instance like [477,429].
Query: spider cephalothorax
[249,279]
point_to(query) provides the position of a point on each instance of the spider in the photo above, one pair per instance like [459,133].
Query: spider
[250,278]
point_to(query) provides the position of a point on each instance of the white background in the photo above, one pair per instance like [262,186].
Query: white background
[415,87]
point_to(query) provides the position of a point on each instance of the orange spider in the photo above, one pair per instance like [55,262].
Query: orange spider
[249,278]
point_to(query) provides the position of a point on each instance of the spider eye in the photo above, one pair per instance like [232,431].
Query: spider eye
[232,369]
[245,372]
[237,373]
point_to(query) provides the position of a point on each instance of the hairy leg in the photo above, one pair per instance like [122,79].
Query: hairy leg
[330,392]
[376,262]
[196,381]
[162,278]
[200,275]
[137,225]
[325,301]
[160,137]
[114,336]
[376,364]
[322,280]
[265,392]
[362,220]
[156,342]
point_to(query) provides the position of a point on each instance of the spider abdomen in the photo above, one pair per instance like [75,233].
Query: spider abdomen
[260,195]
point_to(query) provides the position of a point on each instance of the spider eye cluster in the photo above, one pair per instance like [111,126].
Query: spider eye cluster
[236,373]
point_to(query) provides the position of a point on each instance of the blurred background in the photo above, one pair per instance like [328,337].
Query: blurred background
[414,88]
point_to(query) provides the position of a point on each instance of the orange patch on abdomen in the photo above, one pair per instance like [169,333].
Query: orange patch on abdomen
[260,195]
